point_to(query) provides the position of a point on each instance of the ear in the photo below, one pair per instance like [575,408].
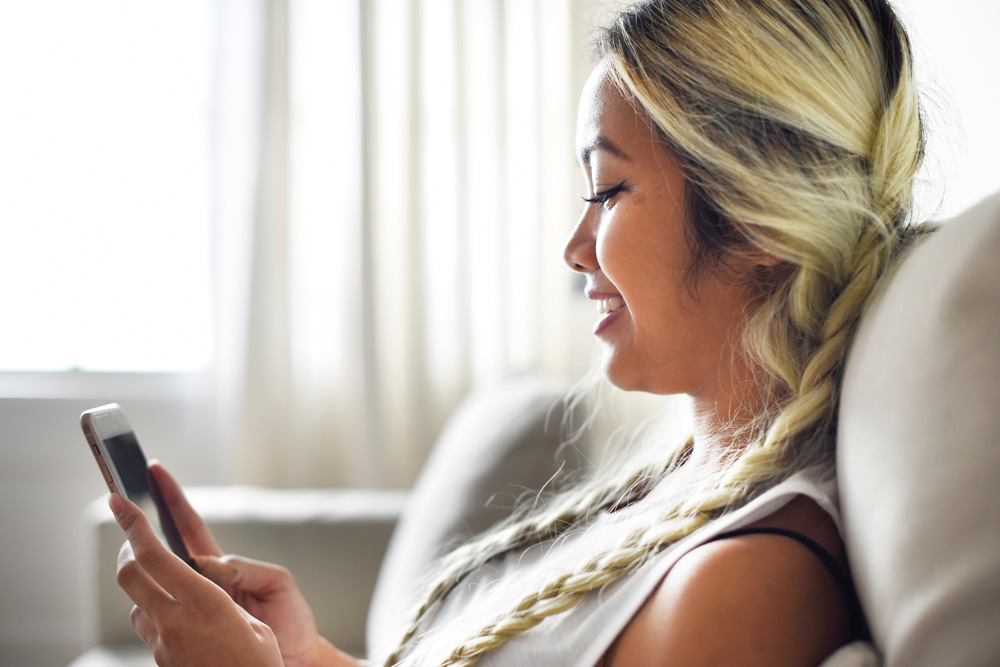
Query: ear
[764,259]
[754,258]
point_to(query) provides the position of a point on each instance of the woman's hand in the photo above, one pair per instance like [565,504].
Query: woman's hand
[185,619]
[266,592]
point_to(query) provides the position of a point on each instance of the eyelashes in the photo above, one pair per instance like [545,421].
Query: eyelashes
[604,196]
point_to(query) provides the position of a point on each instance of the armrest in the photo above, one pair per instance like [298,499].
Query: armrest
[331,540]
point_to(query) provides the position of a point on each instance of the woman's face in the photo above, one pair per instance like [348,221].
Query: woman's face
[659,336]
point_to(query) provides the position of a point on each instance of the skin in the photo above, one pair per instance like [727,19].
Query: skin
[752,600]
[668,339]
[237,611]
[756,600]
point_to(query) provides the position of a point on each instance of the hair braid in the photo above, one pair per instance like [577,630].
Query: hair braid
[468,557]
[895,155]
[566,510]
[568,590]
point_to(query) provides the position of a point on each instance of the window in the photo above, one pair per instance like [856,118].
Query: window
[104,202]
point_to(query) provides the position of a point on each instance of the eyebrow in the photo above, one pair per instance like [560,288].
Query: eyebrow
[601,142]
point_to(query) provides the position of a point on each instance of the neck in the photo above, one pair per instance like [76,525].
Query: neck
[722,413]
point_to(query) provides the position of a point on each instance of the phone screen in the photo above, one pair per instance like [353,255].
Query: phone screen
[130,463]
[108,430]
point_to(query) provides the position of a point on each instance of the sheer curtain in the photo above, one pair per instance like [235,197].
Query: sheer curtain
[393,186]
[408,169]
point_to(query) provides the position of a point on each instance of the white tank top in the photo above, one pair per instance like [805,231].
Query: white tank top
[582,635]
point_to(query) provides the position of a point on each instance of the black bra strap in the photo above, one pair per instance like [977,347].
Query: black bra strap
[840,574]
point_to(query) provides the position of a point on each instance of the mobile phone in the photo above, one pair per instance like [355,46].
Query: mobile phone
[126,471]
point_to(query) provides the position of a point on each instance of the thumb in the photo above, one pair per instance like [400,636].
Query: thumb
[219,571]
[236,573]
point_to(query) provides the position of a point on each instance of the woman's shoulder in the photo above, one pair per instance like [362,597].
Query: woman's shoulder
[753,598]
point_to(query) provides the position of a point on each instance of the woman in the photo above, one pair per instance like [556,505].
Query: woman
[749,165]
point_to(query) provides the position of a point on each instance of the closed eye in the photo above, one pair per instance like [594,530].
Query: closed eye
[604,196]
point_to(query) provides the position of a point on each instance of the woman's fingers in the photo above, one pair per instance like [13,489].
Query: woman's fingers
[138,585]
[150,566]
[184,618]
[197,536]
[144,626]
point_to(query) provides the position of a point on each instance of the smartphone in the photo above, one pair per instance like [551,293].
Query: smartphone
[126,472]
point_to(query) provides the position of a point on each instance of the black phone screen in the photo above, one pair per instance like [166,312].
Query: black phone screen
[129,461]
[141,488]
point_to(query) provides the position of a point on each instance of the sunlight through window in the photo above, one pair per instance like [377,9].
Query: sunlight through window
[104,198]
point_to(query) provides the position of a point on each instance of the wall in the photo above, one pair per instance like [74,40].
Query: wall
[47,476]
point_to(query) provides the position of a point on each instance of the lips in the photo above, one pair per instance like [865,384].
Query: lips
[608,305]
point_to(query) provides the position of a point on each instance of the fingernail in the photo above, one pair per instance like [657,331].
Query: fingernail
[117,505]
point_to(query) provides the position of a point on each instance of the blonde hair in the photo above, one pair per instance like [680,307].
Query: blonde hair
[797,127]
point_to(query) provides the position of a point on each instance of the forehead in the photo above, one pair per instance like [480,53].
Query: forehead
[608,120]
[597,93]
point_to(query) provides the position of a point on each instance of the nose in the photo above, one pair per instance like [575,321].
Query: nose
[580,253]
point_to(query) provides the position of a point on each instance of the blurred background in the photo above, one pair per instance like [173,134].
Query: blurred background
[288,236]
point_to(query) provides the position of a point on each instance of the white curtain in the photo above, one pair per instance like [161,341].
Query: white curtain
[407,166]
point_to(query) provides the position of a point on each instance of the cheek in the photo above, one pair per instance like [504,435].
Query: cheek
[642,258]
[619,244]
[608,248]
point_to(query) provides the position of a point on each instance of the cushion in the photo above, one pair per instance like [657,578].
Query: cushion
[919,450]
[502,444]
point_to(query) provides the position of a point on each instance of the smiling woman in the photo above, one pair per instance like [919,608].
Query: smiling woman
[631,244]
[749,170]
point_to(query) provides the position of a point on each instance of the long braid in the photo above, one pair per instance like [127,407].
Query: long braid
[564,511]
[566,591]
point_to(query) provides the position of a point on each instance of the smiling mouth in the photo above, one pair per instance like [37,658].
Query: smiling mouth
[605,306]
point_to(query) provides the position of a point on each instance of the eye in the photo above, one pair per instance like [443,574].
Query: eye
[604,196]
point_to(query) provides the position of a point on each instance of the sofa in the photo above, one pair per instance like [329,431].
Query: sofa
[918,450]
[918,466]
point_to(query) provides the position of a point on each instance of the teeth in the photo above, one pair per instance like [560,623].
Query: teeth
[605,306]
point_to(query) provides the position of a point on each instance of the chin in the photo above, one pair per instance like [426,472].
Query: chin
[632,375]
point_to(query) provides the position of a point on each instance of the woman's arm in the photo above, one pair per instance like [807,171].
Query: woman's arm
[751,600]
